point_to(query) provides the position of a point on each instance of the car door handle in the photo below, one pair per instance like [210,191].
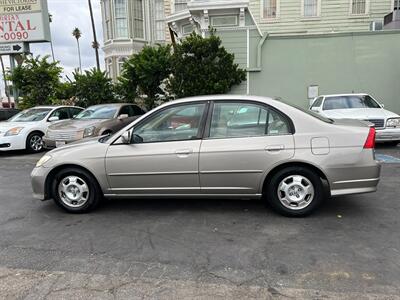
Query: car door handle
[275,148]
[184,152]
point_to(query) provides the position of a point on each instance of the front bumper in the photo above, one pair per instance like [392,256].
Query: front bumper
[388,135]
[38,181]
[15,142]
[51,144]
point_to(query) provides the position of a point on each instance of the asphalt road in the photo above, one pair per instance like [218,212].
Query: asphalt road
[196,249]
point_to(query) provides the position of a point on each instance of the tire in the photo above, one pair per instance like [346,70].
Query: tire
[295,192]
[34,142]
[73,185]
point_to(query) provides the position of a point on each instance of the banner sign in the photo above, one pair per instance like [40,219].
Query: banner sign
[24,21]
[19,6]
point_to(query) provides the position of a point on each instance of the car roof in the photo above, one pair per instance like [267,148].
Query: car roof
[112,104]
[54,106]
[341,95]
[224,97]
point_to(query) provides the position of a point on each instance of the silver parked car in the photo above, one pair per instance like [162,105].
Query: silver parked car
[216,146]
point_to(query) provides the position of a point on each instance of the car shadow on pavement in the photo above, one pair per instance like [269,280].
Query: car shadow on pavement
[349,206]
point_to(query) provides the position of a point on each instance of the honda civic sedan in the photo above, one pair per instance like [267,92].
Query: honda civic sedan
[235,147]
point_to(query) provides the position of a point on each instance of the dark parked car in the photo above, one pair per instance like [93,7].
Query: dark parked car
[6,113]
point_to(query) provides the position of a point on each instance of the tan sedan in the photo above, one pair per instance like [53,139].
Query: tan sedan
[225,146]
[94,121]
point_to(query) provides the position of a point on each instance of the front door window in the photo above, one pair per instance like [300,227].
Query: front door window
[178,123]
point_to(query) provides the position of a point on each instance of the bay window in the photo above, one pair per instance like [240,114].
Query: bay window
[121,19]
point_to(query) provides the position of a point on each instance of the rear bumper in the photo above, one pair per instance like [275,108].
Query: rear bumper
[388,135]
[356,180]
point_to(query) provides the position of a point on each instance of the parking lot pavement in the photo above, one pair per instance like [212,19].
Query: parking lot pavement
[198,249]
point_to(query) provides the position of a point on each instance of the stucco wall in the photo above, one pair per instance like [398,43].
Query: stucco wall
[341,63]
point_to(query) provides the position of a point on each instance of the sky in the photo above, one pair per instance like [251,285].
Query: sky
[68,14]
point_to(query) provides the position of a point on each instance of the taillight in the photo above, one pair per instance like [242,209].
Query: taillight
[370,142]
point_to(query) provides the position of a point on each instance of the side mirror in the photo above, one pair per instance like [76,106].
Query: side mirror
[382,105]
[126,137]
[55,118]
[123,116]
[316,109]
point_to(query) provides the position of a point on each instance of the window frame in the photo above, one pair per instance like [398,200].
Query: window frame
[318,15]
[117,30]
[207,129]
[364,14]
[270,19]
[235,24]
[141,19]
[201,129]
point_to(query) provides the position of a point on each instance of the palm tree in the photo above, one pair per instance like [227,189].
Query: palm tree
[78,34]
[95,44]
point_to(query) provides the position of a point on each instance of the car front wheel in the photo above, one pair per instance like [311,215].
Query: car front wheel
[76,191]
[34,142]
[295,191]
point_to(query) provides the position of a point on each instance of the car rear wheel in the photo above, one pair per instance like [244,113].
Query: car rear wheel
[34,142]
[295,191]
[76,191]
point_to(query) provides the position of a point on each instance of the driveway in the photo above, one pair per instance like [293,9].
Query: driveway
[198,249]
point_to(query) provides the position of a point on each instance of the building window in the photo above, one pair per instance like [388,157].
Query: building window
[224,21]
[270,9]
[138,20]
[358,7]
[107,20]
[121,20]
[180,5]
[187,29]
[159,21]
[121,62]
[310,8]
[396,5]
[109,67]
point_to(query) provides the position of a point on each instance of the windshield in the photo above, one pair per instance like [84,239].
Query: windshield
[308,112]
[30,115]
[348,102]
[97,112]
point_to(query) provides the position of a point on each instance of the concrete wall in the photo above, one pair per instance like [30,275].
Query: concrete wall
[340,63]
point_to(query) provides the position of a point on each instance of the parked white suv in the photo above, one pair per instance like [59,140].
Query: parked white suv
[26,129]
[360,107]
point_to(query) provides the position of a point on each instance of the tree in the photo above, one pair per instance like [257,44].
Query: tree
[78,34]
[93,87]
[146,71]
[95,43]
[37,79]
[201,66]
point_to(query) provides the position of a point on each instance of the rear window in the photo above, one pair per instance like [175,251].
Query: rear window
[308,112]
[349,102]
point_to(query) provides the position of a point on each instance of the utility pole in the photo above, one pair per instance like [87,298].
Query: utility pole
[5,81]
[95,43]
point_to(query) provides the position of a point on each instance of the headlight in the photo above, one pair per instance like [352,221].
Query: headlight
[89,131]
[394,122]
[14,131]
[43,160]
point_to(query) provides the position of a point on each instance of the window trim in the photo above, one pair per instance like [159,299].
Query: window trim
[212,18]
[116,36]
[366,13]
[200,132]
[270,19]
[206,135]
[311,17]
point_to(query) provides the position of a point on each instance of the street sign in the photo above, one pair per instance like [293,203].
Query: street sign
[24,21]
[14,48]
